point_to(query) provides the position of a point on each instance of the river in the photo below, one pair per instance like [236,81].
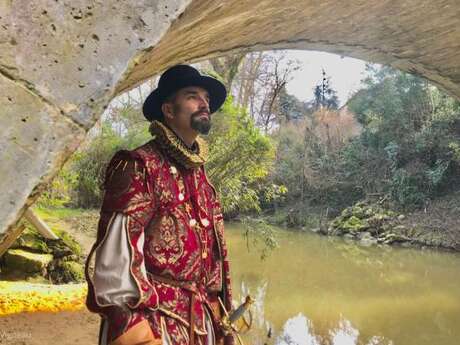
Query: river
[315,290]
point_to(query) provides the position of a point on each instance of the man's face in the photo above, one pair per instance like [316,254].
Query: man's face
[188,110]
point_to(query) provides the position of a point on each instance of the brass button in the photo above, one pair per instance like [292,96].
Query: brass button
[204,255]
[192,222]
[205,221]
[181,196]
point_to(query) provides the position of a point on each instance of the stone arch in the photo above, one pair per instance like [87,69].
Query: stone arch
[61,62]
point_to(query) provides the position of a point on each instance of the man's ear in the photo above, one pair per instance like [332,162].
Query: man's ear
[167,109]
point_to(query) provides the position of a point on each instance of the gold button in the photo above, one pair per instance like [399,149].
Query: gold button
[181,196]
[173,170]
[205,221]
[192,222]
[204,255]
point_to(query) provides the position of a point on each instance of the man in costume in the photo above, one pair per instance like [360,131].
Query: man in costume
[160,256]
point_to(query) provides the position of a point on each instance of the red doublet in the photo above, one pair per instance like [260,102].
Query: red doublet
[175,228]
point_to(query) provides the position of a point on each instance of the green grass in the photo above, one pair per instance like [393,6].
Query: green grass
[50,214]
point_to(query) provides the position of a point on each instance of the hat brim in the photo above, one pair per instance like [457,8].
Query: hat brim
[216,90]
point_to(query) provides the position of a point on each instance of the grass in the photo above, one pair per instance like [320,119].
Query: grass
[51,214]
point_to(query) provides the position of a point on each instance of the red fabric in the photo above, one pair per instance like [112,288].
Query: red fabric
[162,200]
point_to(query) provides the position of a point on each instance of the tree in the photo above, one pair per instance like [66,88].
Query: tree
[409,132]
[227,67]
[325,95]
[291,108]
[259,85]
[240,158]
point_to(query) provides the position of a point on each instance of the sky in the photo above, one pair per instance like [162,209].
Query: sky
[346,74]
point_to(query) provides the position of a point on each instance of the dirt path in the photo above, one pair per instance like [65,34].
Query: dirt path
[41,328]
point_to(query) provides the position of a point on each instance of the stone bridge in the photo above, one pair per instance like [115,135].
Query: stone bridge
[62,61]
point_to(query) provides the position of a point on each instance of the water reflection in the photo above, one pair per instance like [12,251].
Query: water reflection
[299,330]
[315,290]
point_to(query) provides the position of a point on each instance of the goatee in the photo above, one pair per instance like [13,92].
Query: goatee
[200,124]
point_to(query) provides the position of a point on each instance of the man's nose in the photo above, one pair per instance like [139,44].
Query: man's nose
[204,103]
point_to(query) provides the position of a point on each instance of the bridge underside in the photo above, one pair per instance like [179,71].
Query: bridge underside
[61,63]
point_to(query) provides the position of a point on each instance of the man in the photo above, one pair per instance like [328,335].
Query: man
[161,272]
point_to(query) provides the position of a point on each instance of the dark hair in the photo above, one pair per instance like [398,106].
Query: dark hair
[169,99]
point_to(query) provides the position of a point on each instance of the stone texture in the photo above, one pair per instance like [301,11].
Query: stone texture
[35,139]
[59,64]
[62,61]
[419,36]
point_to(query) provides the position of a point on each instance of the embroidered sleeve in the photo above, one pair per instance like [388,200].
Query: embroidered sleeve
[127,193]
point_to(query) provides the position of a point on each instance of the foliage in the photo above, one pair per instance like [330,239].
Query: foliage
[58,192]
[79,183]
[307,159]
[408,145]
[398,136]
[260,235]
[240,158]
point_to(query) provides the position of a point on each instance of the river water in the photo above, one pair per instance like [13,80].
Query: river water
[315,290]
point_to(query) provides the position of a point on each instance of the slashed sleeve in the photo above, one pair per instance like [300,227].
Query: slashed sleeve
[118,278]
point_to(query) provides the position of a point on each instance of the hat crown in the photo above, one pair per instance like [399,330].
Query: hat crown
[176,78]
[175,74]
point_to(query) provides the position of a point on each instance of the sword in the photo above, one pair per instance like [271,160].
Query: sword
[229,319]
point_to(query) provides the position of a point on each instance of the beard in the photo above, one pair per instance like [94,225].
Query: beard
[201,124]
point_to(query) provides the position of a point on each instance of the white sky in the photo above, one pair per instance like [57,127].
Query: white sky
[346,73]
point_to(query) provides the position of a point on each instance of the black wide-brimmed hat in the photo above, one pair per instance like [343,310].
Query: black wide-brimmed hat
[178,77]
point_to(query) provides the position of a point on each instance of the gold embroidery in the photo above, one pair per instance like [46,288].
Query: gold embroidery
[176,149]
[166,245]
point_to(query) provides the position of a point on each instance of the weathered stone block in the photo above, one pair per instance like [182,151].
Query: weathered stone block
[24,261]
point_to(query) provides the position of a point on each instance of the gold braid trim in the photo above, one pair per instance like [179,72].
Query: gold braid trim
[169,142]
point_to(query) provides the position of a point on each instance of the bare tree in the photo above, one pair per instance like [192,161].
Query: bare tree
[227,67]
[260,82]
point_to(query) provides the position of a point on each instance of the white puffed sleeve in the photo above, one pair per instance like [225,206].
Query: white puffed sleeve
[113,282]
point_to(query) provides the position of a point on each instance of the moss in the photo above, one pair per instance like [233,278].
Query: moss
[358,211]
[62,272]
[24,261]
[31,241]
[354,224]
[65,245]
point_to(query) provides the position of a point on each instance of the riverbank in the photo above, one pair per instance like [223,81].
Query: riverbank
[310,287]
[369,223]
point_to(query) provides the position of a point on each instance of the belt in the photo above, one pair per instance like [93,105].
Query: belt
[191,286]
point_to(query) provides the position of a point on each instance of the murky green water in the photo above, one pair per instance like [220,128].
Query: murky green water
[315,290]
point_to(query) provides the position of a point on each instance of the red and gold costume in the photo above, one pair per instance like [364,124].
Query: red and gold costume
[160,205]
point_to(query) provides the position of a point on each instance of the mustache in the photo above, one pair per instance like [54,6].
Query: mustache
[201,112]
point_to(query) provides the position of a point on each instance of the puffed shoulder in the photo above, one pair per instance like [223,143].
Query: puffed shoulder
[121,170]
[125,181]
